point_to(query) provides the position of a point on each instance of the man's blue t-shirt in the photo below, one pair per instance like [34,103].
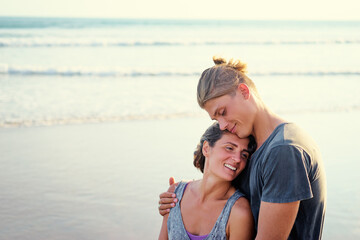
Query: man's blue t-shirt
[286,168]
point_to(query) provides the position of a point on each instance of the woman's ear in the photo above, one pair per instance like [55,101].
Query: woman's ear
[244,90]
[206,148]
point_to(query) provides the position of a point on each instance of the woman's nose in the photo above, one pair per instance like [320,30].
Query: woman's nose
[236,158]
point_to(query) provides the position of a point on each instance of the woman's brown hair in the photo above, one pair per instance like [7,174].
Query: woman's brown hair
[212,135]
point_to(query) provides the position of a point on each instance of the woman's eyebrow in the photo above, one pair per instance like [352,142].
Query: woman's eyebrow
[232,144]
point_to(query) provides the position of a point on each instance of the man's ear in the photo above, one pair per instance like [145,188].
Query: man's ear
[244,90]
[206,148]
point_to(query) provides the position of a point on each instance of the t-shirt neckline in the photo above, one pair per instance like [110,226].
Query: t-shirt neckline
[269,138]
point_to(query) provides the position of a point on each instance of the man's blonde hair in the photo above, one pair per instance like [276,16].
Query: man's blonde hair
[222,79]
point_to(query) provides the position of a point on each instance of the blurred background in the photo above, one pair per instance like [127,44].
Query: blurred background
[98,105]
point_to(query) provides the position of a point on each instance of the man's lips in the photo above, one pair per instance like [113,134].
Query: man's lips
[233,129]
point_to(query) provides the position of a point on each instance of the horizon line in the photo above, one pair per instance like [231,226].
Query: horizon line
[178,19]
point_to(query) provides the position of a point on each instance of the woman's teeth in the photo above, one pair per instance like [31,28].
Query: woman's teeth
[230,167]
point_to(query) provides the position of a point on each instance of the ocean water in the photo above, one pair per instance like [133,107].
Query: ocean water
[56,71]
[137,74]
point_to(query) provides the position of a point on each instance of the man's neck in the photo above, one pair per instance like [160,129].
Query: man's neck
[265,123]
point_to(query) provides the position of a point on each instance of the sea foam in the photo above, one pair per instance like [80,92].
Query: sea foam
[120,72]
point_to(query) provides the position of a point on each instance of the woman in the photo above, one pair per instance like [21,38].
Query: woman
[212,208]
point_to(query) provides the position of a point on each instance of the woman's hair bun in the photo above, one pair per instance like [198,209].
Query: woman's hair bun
[235,64]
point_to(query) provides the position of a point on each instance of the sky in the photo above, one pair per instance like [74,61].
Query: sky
[186,9]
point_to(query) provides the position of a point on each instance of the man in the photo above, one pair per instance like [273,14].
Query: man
[285,178]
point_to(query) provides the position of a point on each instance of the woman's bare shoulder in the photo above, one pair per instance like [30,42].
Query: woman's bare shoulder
[241,208]
[241,221]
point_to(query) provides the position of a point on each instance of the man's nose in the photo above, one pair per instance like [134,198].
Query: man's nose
[222,123]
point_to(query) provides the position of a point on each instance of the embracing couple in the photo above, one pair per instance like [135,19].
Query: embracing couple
[263,177]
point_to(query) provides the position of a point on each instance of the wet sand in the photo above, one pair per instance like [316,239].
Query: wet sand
[102,181]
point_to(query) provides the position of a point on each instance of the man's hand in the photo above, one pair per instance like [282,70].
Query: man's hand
[167,199]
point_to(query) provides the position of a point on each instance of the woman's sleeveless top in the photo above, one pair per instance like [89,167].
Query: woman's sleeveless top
[175,224]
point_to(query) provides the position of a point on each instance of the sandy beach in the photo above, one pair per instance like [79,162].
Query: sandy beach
[102,181]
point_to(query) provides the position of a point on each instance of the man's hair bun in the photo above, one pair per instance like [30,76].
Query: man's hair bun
[235,64]
[219,60]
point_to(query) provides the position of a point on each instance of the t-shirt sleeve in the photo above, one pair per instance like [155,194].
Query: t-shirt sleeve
[285,175]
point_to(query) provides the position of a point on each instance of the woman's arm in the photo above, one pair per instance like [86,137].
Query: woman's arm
[166,209]
[163,232]
[241,221]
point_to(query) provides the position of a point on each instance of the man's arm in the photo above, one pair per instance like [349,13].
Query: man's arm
[163,232]
[276,220]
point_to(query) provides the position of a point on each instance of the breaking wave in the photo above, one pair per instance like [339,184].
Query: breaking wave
[118,72]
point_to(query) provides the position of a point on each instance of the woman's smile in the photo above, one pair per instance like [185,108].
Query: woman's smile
[230,167]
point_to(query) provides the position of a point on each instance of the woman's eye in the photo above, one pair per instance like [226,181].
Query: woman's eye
[229,148]
[244,156]
[223,113]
